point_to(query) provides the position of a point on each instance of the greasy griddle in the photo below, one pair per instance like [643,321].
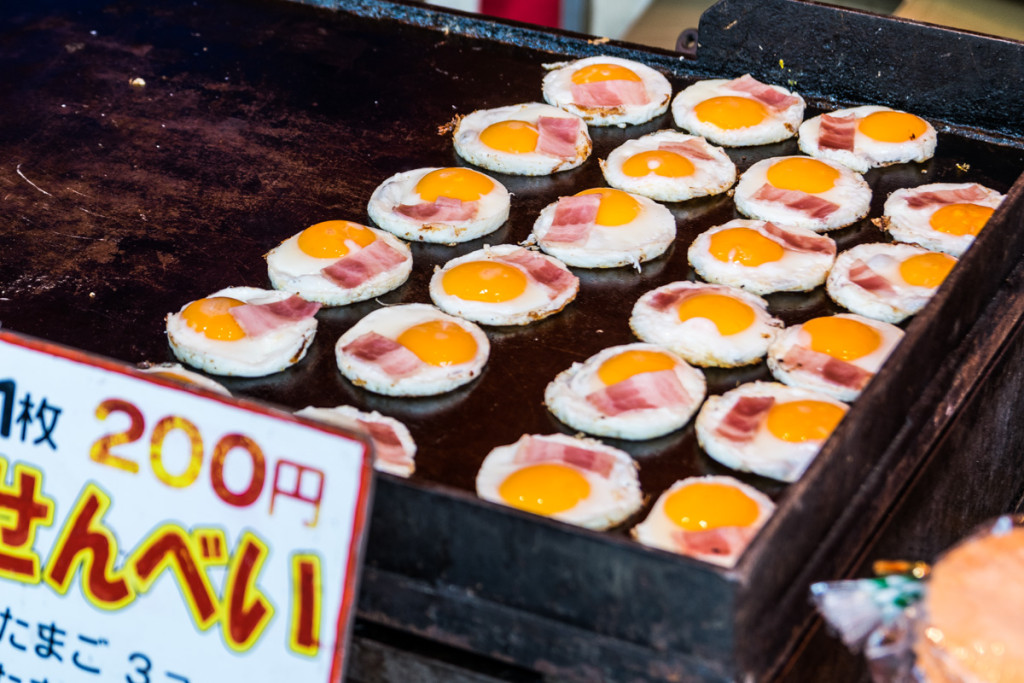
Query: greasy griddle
[121,203]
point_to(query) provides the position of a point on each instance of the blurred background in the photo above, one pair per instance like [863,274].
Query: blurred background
[658,22]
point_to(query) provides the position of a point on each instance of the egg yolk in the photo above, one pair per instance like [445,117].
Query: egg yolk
[961,219]
[659,162]
[892,126]
[745,246]
[514,137]
[617,207]
[621,367]
[842,338]
[439,342]
[455,183]
[487,281]
[212,318]
[707,505]
[926,270]
[592,73]
[730,112]
[544,489]
[728,314]
[330,238]
[798,421]
[804,175]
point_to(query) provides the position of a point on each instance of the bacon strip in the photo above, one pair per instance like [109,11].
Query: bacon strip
[257,319]
[831,369]
[691,149]
[555,279]
[533,451]
[724,541]
[666,299]
[837,132]
[385,439]
[441,209]
[761,92]
[646,390]
[818,244]
[392,357]
[609,93]
[808,204]
[744,418]
[557,136]
[357,267]
[574,217]
[967,195]
[863,276]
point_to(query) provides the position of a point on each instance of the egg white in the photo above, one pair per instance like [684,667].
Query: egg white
[429,380]
[851,192]
[557,88]
[178,372]
[644,238]
[698,340]
[566,397]
[884,260]
[796,271]
[536,303]
[611,500]
[348,417]
[867,152]
[764,454]
[246,357]
[469,147]
[779,125]
[292,270]
[399,189]
[710,176]
[657,529]
[912,225]
[797,377]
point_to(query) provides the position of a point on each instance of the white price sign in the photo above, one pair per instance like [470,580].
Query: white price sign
[153,534]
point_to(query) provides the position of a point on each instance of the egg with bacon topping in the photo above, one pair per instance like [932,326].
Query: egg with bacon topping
[868,137]
[439,205]
[243,331]
[577,481]
[393,445]
[940,216]
[607,91]
[411,350]
[523,139]
[738,113]
[633,391]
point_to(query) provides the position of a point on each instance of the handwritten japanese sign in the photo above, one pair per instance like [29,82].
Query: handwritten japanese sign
[149,533]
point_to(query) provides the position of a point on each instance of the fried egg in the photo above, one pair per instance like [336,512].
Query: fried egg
[411,350]
[940,216]
[738,112]
[607,91]
[208,333]
[633,391]
[804,192]
[669,166]
[523,139]
[708,325]
[574,480]
[767,428]
[503,285]
[836,355]
[887,281]
[339,262]
[710,518]
[439,205]
[176,372]
[393,445]
[868,137]
[609,228]
[762,257]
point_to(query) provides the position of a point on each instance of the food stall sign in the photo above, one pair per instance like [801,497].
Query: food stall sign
[155,534]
